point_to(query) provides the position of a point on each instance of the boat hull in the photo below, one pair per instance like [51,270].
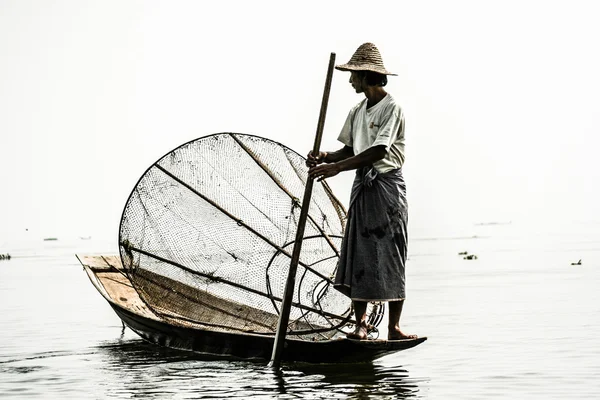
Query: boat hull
[116,289]
[259,347]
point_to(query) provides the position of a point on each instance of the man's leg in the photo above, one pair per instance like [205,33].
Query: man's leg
[360,313]
[394,332]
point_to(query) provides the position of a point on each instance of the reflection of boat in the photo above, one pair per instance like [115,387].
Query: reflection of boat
[361,381]
[174,331]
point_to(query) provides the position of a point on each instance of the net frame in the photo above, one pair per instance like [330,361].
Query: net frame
[296,327]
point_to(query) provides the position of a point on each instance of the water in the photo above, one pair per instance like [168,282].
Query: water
[518,322]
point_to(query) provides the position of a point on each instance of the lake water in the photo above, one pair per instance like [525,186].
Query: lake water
[520,322]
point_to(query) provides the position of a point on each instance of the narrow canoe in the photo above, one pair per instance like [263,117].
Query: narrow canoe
[105,273]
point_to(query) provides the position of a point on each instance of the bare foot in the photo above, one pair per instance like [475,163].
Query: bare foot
[360,333]
[397,334]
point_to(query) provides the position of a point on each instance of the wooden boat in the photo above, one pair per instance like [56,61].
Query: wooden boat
[107,276]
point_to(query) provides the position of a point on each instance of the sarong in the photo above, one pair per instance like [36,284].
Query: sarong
[374,247]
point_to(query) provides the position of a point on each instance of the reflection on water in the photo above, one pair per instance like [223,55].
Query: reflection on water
[360,380]
[140,369]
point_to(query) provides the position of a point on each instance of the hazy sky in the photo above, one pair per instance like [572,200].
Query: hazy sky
[501,100]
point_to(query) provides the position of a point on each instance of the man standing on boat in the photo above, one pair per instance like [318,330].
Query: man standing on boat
[374,248]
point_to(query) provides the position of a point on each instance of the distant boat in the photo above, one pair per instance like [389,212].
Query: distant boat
[576,263]
[49,239]
[85,237]
[493,223]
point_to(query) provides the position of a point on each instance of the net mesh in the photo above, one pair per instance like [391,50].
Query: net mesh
[207,235]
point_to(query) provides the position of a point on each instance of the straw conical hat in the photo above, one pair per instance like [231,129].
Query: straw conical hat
[365,58]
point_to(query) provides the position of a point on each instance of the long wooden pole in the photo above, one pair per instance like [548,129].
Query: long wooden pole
[284,315]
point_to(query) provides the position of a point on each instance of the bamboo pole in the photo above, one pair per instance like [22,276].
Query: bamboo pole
[286,305]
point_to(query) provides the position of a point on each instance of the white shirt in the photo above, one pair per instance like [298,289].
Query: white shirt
[382,124]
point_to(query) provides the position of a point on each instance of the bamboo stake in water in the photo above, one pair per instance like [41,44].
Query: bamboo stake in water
[284,315]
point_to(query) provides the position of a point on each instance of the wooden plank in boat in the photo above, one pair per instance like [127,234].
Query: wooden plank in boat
[122,292]
[100,262]
[187,305]
[197,305]
[114,261]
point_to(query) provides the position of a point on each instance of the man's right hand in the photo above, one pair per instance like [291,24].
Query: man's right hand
[312,160]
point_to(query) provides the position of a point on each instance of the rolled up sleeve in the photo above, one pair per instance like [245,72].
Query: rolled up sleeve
[346,134]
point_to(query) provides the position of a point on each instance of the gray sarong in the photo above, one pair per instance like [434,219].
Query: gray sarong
[374,248]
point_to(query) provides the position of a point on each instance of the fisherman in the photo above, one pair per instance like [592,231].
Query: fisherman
[374,247]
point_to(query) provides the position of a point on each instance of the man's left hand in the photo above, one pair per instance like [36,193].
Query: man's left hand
[323,171]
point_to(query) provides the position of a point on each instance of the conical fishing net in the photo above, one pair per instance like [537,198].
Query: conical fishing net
[207,235]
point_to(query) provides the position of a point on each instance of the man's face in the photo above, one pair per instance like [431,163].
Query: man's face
[356,82]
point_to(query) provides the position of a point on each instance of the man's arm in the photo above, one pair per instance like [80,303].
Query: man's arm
[340,155]
[329,156]
[367,157]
